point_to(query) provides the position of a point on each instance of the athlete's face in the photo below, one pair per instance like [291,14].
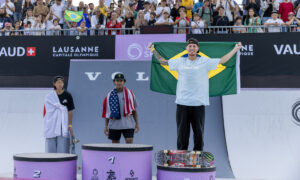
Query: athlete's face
[59,84]
[119,83]
[192,49]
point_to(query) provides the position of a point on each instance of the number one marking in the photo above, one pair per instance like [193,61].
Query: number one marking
[112,159]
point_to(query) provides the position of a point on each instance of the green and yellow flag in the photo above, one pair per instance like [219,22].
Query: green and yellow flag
[74,16]
[224,80]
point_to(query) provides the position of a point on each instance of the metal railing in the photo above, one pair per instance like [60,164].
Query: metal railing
[183,30]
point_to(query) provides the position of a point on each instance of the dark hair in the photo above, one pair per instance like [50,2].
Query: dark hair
[247,21]
[55,20]
[153,13]
[182,7]
[221,7]
[238,18]
[56,78]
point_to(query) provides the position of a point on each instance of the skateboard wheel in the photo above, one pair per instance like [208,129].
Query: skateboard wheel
[166,165]
[166,151]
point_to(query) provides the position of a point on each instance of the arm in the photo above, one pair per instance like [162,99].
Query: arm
[70,117]
[106,126]
[68,24]
[135,117]
[225,58]
[162,60]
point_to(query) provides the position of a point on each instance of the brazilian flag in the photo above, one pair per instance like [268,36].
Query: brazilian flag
[224,80]
[74,16]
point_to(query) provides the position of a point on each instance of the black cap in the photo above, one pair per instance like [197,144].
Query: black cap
[274,11]
[56,78]
[192,41]
[146,3]
[119,76]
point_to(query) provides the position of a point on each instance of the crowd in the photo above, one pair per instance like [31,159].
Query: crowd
[46,17]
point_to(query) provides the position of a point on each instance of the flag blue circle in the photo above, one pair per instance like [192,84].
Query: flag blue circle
[73,16]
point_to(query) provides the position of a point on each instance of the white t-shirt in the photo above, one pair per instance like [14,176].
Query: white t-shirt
[199,24]
[193,82]
[58,10]
[227,10]
[49,24]
[11,5]
[163,20]
[161,9]
[274,28]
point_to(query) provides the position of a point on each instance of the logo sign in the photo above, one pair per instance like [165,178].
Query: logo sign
[131,173]
[296,112]
[75,51]
[30,51]
[247,50]
[112,160]
[17,51]
[95,174]
[134,47]
[287,49]
[93,76]
[111,175]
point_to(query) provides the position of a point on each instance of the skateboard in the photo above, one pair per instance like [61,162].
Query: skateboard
[182,158]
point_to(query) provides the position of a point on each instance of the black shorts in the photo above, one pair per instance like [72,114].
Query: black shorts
[115,134]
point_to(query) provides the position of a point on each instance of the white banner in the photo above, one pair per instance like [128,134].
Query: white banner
[263,134]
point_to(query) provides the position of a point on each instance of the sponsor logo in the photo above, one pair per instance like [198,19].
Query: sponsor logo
[17,51]
[30,51]
[296,112]
[111,175]
[95,175]
[112,160]
[65,101]
[75,51]
[287,49]
[131,176]
[93,76]
[135,51]
[247,50]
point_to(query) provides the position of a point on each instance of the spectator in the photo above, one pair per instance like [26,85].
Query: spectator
[221,20]
[188,4]
[120,16]
[49,22]
[206,13]
[27,5]
[56,28]
[252,4]
[147,10]
[252,20]
[228,7]
[159,11]
[129,22]
[153,2]
[81,6]
[111,8]
[82,29]
[86,18]
[246,3]
[49,3]
[29,17]
[113,23]
[72,28]
[274,22]
[28,29]
[132,9]
[165,21]
[152,19]
[7,29]
[297,7]
[284,9]
[4,18]
[91,9]
[69,6]
[98,22]
[58,9]
[40,9]
[213,6]
[102,8]
[18,10]
[197,6]
[267,7]
[17,29]
[182,21]
[293,21]
[237,10]
[198,24]
[121,6]
[9,7]
[39,26]
[140,21]
[239,27]
[175,10]
[140,5]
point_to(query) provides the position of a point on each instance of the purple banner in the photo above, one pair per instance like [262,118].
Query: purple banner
[134,47]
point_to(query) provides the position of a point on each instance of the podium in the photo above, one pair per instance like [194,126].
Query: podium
[116,161]
[45,166]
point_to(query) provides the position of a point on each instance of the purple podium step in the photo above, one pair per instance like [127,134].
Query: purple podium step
[116,161]
[45,166]
[182,173]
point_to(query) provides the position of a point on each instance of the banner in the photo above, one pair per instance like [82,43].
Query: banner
[268,60]
[134,47]
[262,133]
[89,83]
[222,81]
[33,61]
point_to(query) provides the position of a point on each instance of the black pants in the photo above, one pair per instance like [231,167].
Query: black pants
[185,117]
